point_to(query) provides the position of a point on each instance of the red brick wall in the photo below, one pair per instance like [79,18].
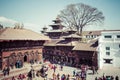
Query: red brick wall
[19,55]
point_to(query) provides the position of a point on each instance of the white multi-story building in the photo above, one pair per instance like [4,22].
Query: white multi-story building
[109,49]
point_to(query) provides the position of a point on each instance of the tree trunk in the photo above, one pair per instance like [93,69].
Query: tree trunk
[78,30]
[81,31]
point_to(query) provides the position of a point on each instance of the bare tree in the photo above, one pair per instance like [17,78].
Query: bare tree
[22,25]
[1,26]
[19,26]
[80,15]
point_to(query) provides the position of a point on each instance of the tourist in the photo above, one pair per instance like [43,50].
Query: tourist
[112,78]
[108,78]
[116,78]
[93,69]
[20,77]
[12,65]
[103,76]
[38,73]
[74,73]
[68,77]
[54,68]
[63,77]
[5,71]
[78,76]
[54,76]
[20,64]
[96,70]
[8,70]
[83,75]
[13,78]
[17,64]
[96,78]
[61,67]
[42,70]
[23,76]
[58,76]
[33,73]
[29,75]
[100,78]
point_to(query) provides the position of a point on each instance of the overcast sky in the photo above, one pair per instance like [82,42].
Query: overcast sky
[35,14]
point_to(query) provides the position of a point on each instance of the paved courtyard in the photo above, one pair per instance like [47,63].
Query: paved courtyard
[108,71]
[69,70]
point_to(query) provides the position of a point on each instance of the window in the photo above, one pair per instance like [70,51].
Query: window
[108,36]
[108,61]
[108,53]
[107,48]
[86,36]
[118,36]
[91,36]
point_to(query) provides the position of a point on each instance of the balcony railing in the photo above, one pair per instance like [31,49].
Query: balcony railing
[21,48]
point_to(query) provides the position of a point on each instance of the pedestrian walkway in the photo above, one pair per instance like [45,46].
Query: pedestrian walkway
[107,71]
[13,72]
[16,71]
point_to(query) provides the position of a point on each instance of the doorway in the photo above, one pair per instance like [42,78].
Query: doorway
[25,58]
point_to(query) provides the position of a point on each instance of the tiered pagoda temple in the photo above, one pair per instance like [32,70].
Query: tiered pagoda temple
[66,48]
[57,29]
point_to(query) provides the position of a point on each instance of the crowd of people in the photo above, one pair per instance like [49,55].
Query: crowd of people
[107,77]
[19,77]
[76,75]
[43,72]
[18,64]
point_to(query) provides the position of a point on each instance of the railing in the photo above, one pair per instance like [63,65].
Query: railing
[21,48]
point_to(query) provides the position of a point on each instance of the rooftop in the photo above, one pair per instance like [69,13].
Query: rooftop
[83,46]
[20,34]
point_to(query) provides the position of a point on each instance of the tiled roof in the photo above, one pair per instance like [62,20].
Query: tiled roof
[21,34]
[85,46]
[51,43]
[73,36]
[60,30]
[66,43]
[56,24]
[98,32]
[60,43]
[91,32]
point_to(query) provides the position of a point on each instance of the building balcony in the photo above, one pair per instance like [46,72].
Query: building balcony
[21,48]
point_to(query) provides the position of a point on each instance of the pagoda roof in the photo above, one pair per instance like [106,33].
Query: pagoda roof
[72,30]
[66,43]
[58,30]
[77,45]
[73,36]
[57,24]
[57,19]
[44,27]
[21,34]
[60,42]
[51,43]
[84,46]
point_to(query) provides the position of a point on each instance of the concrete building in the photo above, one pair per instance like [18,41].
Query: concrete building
[109,49]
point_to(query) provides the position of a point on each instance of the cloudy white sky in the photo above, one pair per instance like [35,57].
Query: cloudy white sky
[35,14]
